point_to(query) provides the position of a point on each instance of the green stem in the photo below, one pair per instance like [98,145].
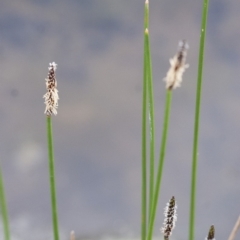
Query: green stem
[144,134]
[197,120]
[161,162]
[3,206]
[151,123]
[52,179]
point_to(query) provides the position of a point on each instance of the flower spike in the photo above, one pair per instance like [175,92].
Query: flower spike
[51,97]
[170,213]
[177,67]
[211,233]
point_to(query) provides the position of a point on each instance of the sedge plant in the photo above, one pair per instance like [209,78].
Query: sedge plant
[51,101]
[150,105]
[173,80]
[148,113]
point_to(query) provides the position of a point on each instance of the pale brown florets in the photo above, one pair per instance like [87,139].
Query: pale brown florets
[177,67]
[51,97]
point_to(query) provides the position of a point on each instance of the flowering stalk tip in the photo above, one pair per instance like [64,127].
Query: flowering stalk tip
[211,233]
[170,213]
[51,97]
[177,67]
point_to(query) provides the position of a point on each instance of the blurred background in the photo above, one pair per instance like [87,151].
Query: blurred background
[98,46]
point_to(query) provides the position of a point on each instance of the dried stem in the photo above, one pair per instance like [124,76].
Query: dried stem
[235,229]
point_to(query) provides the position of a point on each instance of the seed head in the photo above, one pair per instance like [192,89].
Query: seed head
[211,233]
[51,97]
[177,67]
[170,213]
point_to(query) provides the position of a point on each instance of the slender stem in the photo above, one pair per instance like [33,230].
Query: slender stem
[161,162]
[144,133]
[52,179]
[197,120]
[3,206]
[150,101]
[151,124]
[144,157]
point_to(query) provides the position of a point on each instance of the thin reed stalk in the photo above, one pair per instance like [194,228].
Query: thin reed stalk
[161,162]
[52,179]
[150,101]
[144,132]
[3,205]
[197,121]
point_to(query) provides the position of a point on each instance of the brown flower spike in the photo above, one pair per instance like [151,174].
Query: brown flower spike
[211,233]
[170,218]
[51,97]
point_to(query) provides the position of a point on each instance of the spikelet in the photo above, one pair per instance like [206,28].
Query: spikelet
[170,213]
[51,97]
[177,67]
[211,233]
